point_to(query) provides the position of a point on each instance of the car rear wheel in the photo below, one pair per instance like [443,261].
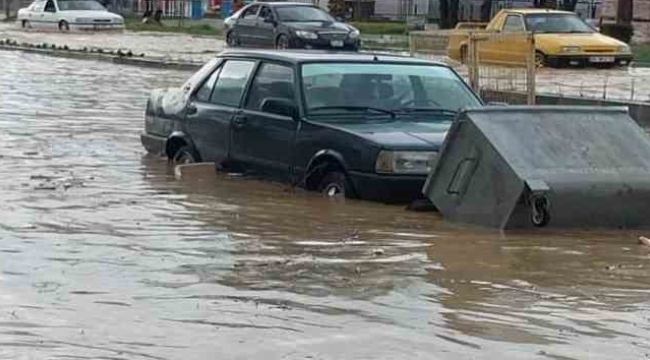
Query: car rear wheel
[232,40]
[25,24]
[185,155]
[463,55]
[335,184]
[540,59]
[282,42]
[64,26]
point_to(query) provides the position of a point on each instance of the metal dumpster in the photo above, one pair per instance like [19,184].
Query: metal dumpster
[520,167]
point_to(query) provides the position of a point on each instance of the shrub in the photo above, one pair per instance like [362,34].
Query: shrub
[618,31]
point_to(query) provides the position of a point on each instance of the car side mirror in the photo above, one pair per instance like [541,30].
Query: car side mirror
[270,20]
[280,106]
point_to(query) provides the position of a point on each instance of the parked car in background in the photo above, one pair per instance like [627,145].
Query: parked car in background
[286,25]
[358,125]
[66,15]
[561,38]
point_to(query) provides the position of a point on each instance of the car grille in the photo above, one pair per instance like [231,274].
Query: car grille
[101,21]
[333,35]
[599,50]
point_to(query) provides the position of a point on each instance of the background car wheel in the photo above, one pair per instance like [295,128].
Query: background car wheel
[64,26]
[232,40]
[282,42]
[463,55]
[25,24]
[540,59]
[335,184]
[185,155]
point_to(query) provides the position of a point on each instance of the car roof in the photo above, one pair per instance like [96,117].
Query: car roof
[536,11]
[302,56]
[282,3]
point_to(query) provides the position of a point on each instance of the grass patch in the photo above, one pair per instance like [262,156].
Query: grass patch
[641,54]
[169,26]
[381,28]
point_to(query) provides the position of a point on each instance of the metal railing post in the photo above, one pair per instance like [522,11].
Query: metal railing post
[531,71]
[473,62]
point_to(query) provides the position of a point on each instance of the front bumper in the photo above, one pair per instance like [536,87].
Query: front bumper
[326,44]
[586,59]
[97,27]
[154,144]
[395,189]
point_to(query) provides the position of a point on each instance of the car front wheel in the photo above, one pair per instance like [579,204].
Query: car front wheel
[185,155]
[282,42]
[335,184]
[25,24]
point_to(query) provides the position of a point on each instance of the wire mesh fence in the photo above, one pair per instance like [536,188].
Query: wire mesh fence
[492,63]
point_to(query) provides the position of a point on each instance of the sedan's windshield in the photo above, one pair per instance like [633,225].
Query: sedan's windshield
[557,24]
[368,87]
[302,14]
[80,5]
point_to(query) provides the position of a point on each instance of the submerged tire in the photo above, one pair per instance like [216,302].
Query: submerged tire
[185,155]
[335,184]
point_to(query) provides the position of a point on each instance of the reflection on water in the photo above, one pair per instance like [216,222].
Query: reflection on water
[105,254]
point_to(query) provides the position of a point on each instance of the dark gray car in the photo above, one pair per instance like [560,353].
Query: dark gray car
[287,25]
[361,125]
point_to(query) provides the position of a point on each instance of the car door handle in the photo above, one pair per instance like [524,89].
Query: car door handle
[192,109]
[239,121]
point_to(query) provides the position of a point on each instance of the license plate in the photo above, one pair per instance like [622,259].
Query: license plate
[337,43]
[601,59]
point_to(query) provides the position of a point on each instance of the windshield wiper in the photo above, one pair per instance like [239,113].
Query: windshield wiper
[350,107]
[425,109]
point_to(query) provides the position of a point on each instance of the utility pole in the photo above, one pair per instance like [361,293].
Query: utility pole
[7,9]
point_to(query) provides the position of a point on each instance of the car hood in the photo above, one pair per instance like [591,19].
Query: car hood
[318,26]
[399,134]
[587,41]
[92,14]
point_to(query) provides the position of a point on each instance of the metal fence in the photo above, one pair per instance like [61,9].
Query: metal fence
[492,63]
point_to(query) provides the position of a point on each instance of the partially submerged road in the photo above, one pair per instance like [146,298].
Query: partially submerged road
[103,254]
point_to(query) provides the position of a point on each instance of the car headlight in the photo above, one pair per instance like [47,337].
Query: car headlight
[571,49]
[624,49]
[404,162]
[354,34]
[306,35]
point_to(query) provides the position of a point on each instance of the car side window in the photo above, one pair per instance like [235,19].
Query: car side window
[38,6]
[203,95]
[271,81]
[513,24]
[266,13]
[250,13]
[231,82]
[49,7]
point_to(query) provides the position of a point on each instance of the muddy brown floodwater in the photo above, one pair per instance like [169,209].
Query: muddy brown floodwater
[104,255]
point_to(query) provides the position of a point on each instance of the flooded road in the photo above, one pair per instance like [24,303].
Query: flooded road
[104,255]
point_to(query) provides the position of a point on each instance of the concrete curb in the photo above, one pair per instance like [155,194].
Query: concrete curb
[116,59]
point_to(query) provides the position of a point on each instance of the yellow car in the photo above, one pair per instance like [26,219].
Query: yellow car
[561,38]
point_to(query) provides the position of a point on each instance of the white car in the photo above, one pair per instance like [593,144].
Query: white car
[66,15]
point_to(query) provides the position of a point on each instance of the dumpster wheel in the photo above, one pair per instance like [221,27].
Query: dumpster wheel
[540,215]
